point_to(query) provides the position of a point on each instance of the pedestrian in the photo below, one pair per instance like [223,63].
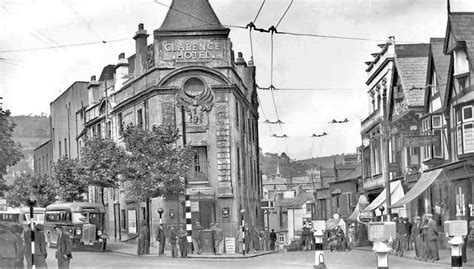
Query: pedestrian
[409,227]
[142,235]
[173,241]
[183,241]
[253,239]
[239,239]
[273,238]
[403,236]
[261,240]
[10,247]
[213,232]
[40,247]
[307,238]
[161,238]
[426,255]
[248,239]
[351,236]
[432,237]
[64,248]
[417,237]
[218,239]
[18,230]
[196,237]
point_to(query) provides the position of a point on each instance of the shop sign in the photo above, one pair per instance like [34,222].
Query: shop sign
[229,245]
[194,206]
[420,140]
[200,50]
[201,191]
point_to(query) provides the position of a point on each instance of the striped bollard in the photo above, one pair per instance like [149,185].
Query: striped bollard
[242,212]
[318,253]
[456,251]
[189,226]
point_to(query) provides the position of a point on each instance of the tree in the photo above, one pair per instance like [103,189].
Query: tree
[27,184]
[102,160]
[66,177]
[155,165]
[10,152]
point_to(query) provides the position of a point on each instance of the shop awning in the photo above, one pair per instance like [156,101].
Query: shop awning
[396,192]
[421,185]
[355,213]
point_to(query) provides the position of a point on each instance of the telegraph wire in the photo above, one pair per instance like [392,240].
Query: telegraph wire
[288,8]
[87,24]
[258,13]
[65,46]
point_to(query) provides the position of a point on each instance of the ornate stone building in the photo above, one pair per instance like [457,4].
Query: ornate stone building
[188,70]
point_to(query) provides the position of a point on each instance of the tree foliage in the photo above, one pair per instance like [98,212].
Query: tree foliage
[67,178]
[155,165]
[28,184]
[102,160]
[10,152]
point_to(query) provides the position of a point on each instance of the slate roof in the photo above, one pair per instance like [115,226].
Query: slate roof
[441,65]
[462,29]
[411,61]
[298,201]
[191,15]
[354,174]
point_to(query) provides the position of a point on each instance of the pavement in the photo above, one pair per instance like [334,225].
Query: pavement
[131,249]
[444,256]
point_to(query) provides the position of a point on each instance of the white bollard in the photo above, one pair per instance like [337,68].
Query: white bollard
[456,251]
[382,251]
[318,253]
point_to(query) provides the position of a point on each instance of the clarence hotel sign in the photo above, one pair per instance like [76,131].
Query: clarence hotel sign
[193,50]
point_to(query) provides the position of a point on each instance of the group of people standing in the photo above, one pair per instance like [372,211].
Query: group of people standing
[422,236]
[254,240]
[16,249]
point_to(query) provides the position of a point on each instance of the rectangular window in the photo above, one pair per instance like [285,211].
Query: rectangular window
[323,209]
[458,116]
[434,84]
[437,121]
[238,165]
[468,138]
[59,147]
[99,131]
[65,146]
[459,140]
[199,169]
[281,238]
[120,123]
[140,118]
[123,218]
[437,148]
[237,113]
[467,113]
[109,129]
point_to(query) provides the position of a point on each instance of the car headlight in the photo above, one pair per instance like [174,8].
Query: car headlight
[78,232]
[99,232]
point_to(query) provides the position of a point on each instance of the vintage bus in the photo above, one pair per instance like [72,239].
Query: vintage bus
[83,222]
[21,216]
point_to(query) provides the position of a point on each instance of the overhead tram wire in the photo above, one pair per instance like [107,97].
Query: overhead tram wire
[288,8]
[65,46]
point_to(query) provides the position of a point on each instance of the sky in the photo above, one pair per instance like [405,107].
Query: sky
[333,68]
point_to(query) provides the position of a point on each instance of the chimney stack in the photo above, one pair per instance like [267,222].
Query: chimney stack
[141,50]
[92,89]
[121,71]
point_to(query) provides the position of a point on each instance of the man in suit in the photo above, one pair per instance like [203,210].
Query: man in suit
[273,238]
[183,241]
[417,237]
[63,252]
[196,237]
[40,247]
[161,238]
[432,237]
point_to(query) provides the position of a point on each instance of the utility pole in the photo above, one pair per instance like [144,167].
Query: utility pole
[386,150]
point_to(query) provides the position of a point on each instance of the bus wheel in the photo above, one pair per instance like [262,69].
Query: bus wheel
[103,245]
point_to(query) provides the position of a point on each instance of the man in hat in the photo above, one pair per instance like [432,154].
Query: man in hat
[196,237]
[183,241]
[218,238]
[142,239]
[432,238]
[161,238]
[173,238]
[273,238]
[417,237]
[63,252]
[10,247]
[40,247]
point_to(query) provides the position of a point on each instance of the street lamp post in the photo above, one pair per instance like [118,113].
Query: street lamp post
[242,212]
[31,203]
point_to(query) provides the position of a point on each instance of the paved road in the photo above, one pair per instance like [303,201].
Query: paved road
[353,259]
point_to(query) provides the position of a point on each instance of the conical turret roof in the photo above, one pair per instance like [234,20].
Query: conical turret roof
[191,16]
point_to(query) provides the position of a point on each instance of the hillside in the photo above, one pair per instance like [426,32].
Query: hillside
[30,132]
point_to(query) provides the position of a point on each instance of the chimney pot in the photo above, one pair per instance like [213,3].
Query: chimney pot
[121,56]
[240,55]
[93,78]
[140,26]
